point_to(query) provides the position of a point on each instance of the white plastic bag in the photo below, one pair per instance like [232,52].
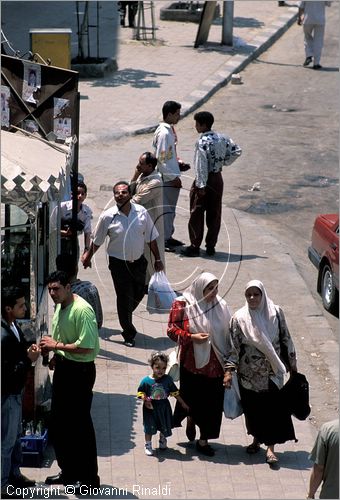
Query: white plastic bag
[232,401]
[160,294]
[173,365]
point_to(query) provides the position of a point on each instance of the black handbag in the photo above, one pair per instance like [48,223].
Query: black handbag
[295,394]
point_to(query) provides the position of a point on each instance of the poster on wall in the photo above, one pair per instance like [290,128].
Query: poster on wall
[5,95]
[62,128]
[31,81]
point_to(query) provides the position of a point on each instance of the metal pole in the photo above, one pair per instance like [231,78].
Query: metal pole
[228,18]
[74,183]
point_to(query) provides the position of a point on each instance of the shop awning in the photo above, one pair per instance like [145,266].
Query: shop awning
[33,170]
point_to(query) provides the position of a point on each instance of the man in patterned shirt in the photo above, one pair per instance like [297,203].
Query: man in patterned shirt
[212,151]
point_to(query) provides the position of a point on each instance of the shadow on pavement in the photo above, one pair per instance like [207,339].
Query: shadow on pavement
[136,78]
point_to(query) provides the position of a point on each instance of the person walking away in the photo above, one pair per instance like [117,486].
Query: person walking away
[85,289]
[147,190]
[313,17]
[16,358]
[199,322]
[325,455]
[261,351]
[212,152]
[165,148]
[75,344]
[128,226]
[155,390]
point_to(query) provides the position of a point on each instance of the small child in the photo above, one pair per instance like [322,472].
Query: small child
[157,413]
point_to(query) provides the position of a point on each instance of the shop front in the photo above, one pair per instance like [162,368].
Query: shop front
[34,179]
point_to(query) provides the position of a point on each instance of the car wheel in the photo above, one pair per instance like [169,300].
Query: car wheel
[328,290]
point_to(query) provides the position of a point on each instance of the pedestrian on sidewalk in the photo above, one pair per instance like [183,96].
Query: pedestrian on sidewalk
[75,344]
[147,190]
[128,226]
[85,289]
[261,350]
[132,11]
[212,152]
[325,455]
[84,221]
[155,390]
[313,17]
[199,322]
[165,144]
[16,358]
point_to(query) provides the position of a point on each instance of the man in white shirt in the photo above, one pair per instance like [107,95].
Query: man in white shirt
[128,226]
[212,151]
[312,16]
[164,143]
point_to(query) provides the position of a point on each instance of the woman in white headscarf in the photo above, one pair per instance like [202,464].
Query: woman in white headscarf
[262,351]
[199,321]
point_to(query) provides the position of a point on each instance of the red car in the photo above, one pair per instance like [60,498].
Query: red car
[324,254]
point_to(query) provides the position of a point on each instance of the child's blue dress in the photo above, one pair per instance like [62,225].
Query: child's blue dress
[158,391]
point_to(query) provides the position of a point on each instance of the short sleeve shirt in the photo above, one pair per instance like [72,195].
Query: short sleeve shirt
[127,233]
[76,324]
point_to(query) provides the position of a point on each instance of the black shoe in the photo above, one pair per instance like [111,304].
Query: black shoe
[129,343]
[171,242]
[308,60]
[317,66]
[205,449]
[190,251]
[57,479]
[82,488]
[210,251]
[169,249]
[22,481]
[282,4]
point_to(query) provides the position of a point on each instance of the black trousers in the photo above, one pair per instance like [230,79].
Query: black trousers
[211,205]
[129,282]
[71,427]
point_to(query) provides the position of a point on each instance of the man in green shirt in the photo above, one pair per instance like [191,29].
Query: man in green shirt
[76,344]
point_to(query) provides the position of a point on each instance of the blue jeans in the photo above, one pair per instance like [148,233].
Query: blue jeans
[11,457]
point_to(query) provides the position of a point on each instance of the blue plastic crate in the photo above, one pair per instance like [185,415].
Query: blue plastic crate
[34,443]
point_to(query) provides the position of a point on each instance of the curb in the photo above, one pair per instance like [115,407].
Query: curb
[208,88]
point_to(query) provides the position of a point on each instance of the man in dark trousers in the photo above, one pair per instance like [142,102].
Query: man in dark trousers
[129,227]
[75,343]
[212,152]
[16,358]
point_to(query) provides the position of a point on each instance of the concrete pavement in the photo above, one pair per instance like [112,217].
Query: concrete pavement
[129,102]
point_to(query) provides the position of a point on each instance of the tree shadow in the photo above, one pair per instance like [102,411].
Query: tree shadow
[136,78]
[247,22]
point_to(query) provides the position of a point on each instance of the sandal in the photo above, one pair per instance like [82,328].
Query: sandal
[253,448]
[271,459]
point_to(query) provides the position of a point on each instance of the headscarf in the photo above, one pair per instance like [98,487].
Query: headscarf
[260,326]
[207,317]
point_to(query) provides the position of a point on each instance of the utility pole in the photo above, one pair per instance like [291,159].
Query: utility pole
[228,18]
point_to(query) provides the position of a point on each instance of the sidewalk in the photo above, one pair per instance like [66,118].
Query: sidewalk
[171,69]
[130,102]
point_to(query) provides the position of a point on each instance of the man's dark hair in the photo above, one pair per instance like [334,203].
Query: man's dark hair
[83,186]
[67,263]
[9,296]
[150,159]
[170,107]
[125,183]
[204,118]
[60,276]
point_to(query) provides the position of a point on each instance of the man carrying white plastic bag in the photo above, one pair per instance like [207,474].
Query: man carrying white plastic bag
[160,294]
